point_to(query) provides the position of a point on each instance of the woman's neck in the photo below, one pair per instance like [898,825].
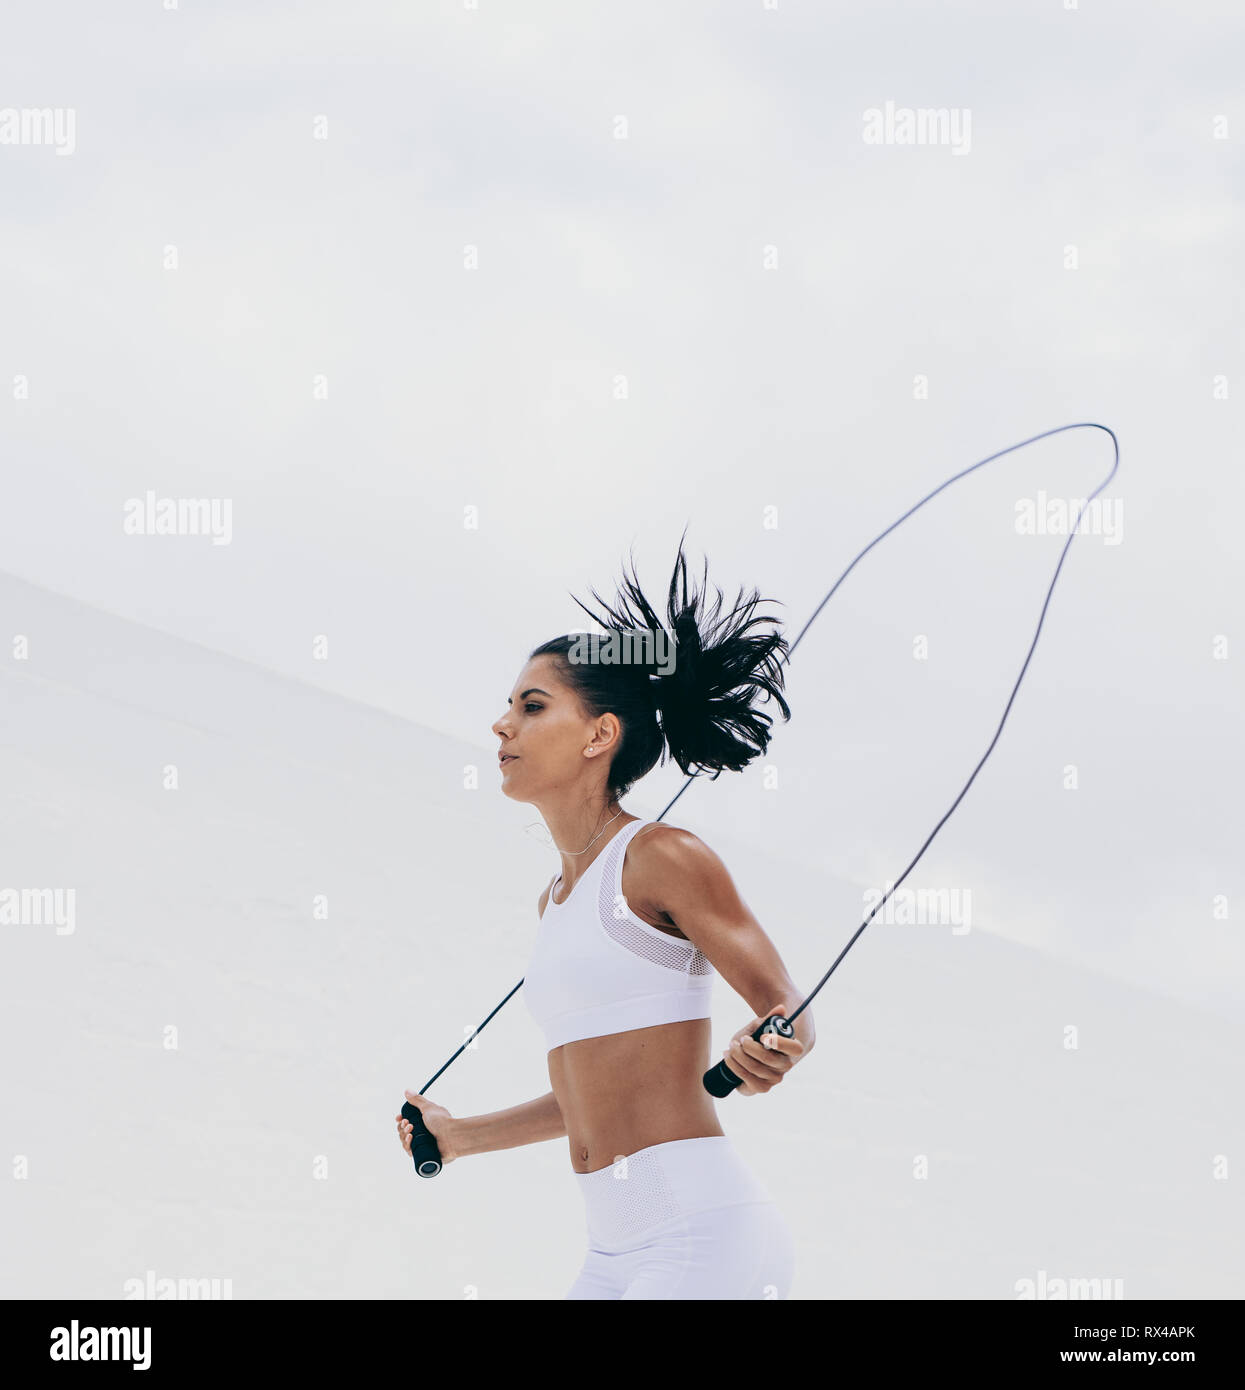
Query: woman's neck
[580,834]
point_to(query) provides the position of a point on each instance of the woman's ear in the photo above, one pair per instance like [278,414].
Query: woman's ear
[608,732]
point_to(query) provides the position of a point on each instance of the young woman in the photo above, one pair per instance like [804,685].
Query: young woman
[630,936]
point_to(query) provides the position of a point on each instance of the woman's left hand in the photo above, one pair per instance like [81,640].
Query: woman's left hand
[762,1064]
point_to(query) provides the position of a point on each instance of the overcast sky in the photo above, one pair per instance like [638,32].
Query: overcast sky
[584,274]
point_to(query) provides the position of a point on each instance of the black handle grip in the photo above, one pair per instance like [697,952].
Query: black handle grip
[720,1081]
[423,1146]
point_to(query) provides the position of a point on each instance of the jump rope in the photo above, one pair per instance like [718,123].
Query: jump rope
[720,1081]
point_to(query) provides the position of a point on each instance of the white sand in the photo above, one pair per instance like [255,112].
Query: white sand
[296,1036]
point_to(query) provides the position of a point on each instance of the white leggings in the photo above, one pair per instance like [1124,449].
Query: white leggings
[683,1220]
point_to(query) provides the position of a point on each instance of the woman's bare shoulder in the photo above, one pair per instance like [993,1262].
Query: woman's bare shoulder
[660,844]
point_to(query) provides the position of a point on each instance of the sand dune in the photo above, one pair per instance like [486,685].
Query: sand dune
[260,1147]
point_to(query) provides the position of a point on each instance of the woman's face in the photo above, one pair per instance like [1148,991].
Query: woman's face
[544,733]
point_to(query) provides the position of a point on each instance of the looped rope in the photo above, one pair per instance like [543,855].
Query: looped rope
[685,620]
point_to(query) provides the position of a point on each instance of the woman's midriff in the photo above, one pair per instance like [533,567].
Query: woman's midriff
[627,1091]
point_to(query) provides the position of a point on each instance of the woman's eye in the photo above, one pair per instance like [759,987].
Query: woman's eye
[531,705]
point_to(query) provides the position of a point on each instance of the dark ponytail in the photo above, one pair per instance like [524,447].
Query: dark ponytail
[701,711]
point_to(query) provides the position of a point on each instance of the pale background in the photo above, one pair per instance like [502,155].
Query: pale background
[494,394]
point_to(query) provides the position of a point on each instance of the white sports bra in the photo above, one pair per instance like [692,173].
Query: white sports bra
[598,969]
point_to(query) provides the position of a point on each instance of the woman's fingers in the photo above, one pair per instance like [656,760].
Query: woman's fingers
[762,1064]
[745,1064]
[780,1053]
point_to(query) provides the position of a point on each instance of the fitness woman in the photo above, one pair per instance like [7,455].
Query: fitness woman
[631,934]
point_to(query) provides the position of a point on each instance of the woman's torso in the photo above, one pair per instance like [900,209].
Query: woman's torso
[625,1091]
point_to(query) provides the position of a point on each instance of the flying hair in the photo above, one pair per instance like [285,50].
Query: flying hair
[722,667]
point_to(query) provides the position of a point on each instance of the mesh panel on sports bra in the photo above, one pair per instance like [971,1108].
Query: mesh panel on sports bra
[674,954]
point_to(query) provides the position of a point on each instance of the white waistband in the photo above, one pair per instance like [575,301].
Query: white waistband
[660,1184]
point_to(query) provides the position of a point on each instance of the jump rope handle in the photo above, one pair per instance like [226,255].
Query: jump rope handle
[423,1146]
[720,1081]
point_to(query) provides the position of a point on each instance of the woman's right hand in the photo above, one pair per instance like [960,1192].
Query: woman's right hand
[437,1121]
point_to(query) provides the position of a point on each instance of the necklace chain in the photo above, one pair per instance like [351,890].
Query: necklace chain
[594,839]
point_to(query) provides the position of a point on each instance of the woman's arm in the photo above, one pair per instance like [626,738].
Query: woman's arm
[530,1123]
[690,883]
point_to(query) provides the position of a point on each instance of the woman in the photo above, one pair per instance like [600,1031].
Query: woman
[630,935]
